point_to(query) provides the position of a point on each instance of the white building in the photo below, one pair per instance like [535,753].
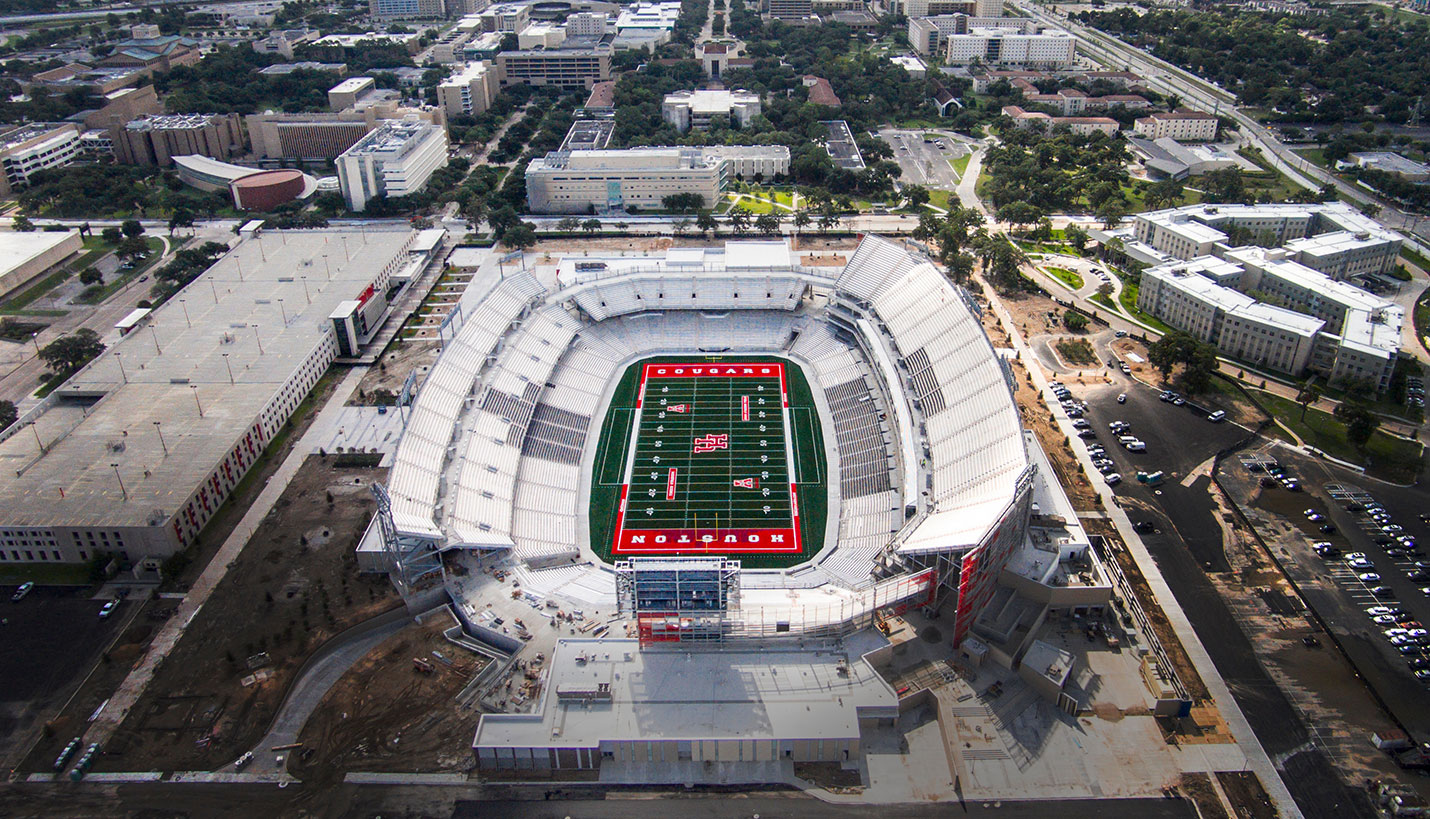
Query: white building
[928,34]
[1183,126]
[469,90]
[1389,162]
[694,109]
[1332,237]
[613,180]
[29,149]
[541,35]
[394,160]
[1282,316]
[1045,48]
[586,24]
[916,68]
[659,16]
[507,18]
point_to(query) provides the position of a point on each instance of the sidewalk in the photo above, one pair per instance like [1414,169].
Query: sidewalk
[134,685]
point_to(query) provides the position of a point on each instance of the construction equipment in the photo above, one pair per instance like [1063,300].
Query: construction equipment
[422,666]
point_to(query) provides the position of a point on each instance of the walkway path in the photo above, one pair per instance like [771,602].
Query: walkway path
[138,680]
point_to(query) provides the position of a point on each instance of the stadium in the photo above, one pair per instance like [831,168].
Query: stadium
[714,444]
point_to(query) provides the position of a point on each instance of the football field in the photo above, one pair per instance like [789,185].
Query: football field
[709,464]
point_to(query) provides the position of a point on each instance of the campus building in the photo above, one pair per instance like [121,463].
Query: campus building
[1183,126]
[611,181]
[396,159]
[419,9]
[469,90]
[929,35]
[29,149]
[156,140]
[563,67]
[136,452]
[695,109]
[1038,121]
[1030,46]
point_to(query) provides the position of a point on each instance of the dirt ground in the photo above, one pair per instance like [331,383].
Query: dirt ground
[1198,788]
[384,715]
[294,585]
[400,358]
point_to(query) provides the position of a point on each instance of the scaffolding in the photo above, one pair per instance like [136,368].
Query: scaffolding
[410,558]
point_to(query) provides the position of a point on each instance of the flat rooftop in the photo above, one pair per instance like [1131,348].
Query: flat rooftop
[841,146]
[694,693]
[18,248]
[259,313]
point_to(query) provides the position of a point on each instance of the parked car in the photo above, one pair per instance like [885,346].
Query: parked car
[22,591]
[1113,479]
[1122,398]
[108,609]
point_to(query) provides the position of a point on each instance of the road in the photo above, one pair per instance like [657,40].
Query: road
[1168,78]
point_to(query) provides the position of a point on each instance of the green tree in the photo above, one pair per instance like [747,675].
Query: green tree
[1310,393]
[69,353]
[568,224]
[8,414]
[111,235]
[520,236]
[1111,212]
[591,226]
[132,248]
[181,218]
[90,276]
[767,223]
[802,219]
[1073,320]
[706,223]
[1360,422]
[917,195]
[740,219]
[1076,236]
[131,228]
[22,224]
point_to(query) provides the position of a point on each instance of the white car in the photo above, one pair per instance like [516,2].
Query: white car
[1360,564]
[1113,479]
[1368,577]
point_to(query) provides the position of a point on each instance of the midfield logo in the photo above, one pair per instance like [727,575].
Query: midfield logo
[710,443]
[676,408]
[747,483]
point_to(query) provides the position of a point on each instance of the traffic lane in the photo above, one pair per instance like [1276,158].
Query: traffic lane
[800,807]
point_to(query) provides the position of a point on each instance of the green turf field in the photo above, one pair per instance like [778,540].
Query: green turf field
[707,462]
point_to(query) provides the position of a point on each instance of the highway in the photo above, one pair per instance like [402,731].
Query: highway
[1167,78]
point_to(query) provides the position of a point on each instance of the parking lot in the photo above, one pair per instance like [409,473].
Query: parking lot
[1183,532]
[49,640]
[925,160]
[1333,586]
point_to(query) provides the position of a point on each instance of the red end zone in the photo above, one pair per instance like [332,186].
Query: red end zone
[725,541]
[768,370]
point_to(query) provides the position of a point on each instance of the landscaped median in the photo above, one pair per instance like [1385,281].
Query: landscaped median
[1067,277]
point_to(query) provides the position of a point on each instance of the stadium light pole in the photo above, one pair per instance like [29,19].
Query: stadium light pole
[228,367]
[257,338]
[117,477]
[35,429]
[155,333]
[158,427]
[118,356]
[306,297]
[283,311]
[195,388]
[185,306]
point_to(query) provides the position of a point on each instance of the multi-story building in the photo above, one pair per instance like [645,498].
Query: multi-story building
[346,93]
[415,9]
[1183,126]
[587,24]
[322,137]
[929,35]
[175,415]
[563,67]
[695,109]
[914,9]
[541,35]
[1038,121]
[154,53]
[156,140]
[449,48]
[615,180]
[394,160]
[507,18]
[1330,237]
[791,10]
[1042,48]
[469,90]
[29,149]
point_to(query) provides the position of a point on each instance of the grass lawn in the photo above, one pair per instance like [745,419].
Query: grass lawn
[1414,258]
[961,164]
[755,206]
[45,574]
[1128,299]
[1098,298]
[1067,277]
[1316,156]
[1422,319]
[35,291]
[1385,456]
[939,199]
[1267,181]
[1077,351]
